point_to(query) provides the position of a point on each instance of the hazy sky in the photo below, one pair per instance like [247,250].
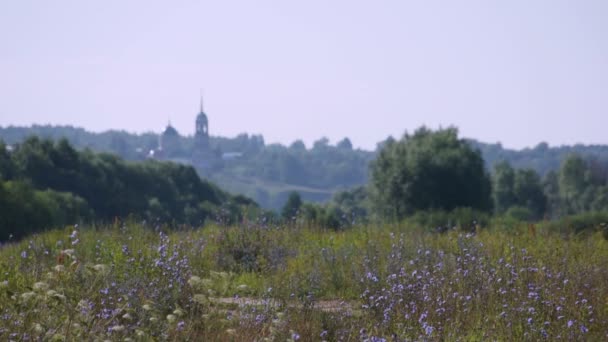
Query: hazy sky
[518,72]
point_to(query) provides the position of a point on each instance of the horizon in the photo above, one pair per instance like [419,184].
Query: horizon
[308,146]
[516,74]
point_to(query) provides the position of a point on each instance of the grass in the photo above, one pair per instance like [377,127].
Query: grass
[251,283]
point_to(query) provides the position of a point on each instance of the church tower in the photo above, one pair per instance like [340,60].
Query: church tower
[201,135]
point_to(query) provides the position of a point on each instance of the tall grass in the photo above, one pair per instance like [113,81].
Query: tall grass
[254,283]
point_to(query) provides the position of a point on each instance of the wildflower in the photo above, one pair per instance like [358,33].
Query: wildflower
[242,288]
[41,286]
[570,323]
[181,325]
[24,254]
[101,269]
[194,281]
[27,296]
[59,268]
[422,317]
[171,318]
[117,328]
[38,328]
[200,298]
[55,295]
[58,337]
[178,312]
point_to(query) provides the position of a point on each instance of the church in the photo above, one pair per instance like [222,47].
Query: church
[201,155]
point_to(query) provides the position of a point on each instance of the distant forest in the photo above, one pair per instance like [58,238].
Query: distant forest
[268,173]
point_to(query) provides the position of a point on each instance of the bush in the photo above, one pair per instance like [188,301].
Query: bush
[466,219]
[586,222]
[520,213]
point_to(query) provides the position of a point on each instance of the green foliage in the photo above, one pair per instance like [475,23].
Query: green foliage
[504,184]
[520,188]
[267,171]
[585,222]
[26,210]
[354,203]
[292,207]
[520,214]
[429,170]
[464,219]
[528,192]
[54,184]
[541,158]
[573,182]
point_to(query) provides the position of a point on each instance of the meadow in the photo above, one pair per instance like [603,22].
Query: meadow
[136,282]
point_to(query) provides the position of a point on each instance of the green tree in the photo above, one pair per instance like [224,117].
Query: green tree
[504,184]
[292,206]
[573,182]
[7,167]
[429,170]
[345,144]
[298,146]
[551,190]
[528,192]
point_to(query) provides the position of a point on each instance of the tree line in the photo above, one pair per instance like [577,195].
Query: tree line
[45,184]
[324,166]
[433,177]
[437,178]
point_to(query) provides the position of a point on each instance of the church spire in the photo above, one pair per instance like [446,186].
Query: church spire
[202,111]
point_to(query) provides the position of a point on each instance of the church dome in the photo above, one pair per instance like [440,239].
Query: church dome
[170,131]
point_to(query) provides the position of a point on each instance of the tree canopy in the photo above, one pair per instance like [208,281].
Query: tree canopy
[429,170]
[45,183]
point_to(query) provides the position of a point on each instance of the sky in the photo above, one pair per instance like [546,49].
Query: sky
[517,72]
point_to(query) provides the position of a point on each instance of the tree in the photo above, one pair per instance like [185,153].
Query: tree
[292,206]
[298,146]
[353,203]
[528,192]
[504,183]
[321,144]
[345,144]
[573,182]
[7,168]
[428,170]
[551,190]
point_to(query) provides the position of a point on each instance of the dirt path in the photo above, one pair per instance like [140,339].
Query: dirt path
[323,305]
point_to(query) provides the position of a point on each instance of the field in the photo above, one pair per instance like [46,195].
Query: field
[129,282]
